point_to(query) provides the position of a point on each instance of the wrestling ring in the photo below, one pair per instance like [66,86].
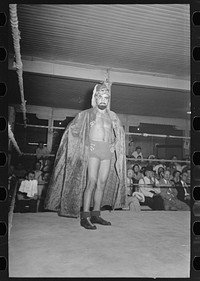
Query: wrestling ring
[138,244]
[151,244]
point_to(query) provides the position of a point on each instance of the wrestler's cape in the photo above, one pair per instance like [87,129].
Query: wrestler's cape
[68,180]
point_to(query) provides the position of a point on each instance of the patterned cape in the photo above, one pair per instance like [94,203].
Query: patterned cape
[69,176]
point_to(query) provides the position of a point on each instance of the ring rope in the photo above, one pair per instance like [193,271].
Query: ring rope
[126,133]
[158,160]
[12,138]
[18,62]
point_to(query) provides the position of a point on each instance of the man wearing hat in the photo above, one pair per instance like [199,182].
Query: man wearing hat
[90,165]
[147,185]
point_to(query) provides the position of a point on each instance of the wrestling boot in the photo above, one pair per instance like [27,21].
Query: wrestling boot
[95,218]
[85,221]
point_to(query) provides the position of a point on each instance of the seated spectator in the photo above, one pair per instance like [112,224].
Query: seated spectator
[133,198]
[20,171]
[129,164]
[186,165]
[129,182]
[161,163]
[42,188]
[42,152]
[27,193]
[188,181]
[150,162]
[183,190]
[138,152]
[174,165]
[133,201]
[46,177]
[176,178]
[169,195]
[142,171]
[139,162]
[47,166]
[160,174]
[37,172]
[137,175]
[147,185]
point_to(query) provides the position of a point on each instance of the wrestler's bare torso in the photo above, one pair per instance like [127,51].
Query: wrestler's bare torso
[100,129]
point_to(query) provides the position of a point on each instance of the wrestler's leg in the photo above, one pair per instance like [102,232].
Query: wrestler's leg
[98,194]
[101,182]
[93,169]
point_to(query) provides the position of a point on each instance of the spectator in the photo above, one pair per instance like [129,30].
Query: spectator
[147,186]
[150,162]
[188,181]
[137,154]
[20,171]
[161,163]
[169,195]
[183,189]
[186,165]
[129,164]
[142,171]
[174,165]
[42,152]
[176,178]
[137,175]
[129,182]
[133,198]
[27,193]
[139,162]
[47,166]
[42,188]
[160,174]
[46,177]
[38,172]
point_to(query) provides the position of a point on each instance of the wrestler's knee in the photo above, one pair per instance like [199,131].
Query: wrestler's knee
[101,183]
[91,183]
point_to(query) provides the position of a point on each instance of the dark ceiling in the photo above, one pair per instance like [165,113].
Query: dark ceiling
[137,38]
[62,92]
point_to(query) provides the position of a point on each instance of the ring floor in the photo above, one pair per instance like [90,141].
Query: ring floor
[143,244]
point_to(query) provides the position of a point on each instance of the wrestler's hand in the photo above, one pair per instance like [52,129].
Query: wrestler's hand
[92,145]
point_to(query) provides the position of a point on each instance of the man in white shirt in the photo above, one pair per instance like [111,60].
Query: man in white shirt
[147,186]
[138,152]
[42,152]
[27,194]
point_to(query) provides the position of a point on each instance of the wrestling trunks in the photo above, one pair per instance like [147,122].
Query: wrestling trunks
[101,150]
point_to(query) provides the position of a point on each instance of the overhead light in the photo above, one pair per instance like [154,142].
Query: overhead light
[138,129]
[60,123]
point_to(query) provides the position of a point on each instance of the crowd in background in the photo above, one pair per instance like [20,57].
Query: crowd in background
[161,185]
[32,183]
[158,184]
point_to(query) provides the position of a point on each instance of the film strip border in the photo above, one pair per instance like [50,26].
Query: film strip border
[195,140]
[3,141]
[195,135]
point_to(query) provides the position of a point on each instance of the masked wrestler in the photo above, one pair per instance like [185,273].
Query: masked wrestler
[90,164]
